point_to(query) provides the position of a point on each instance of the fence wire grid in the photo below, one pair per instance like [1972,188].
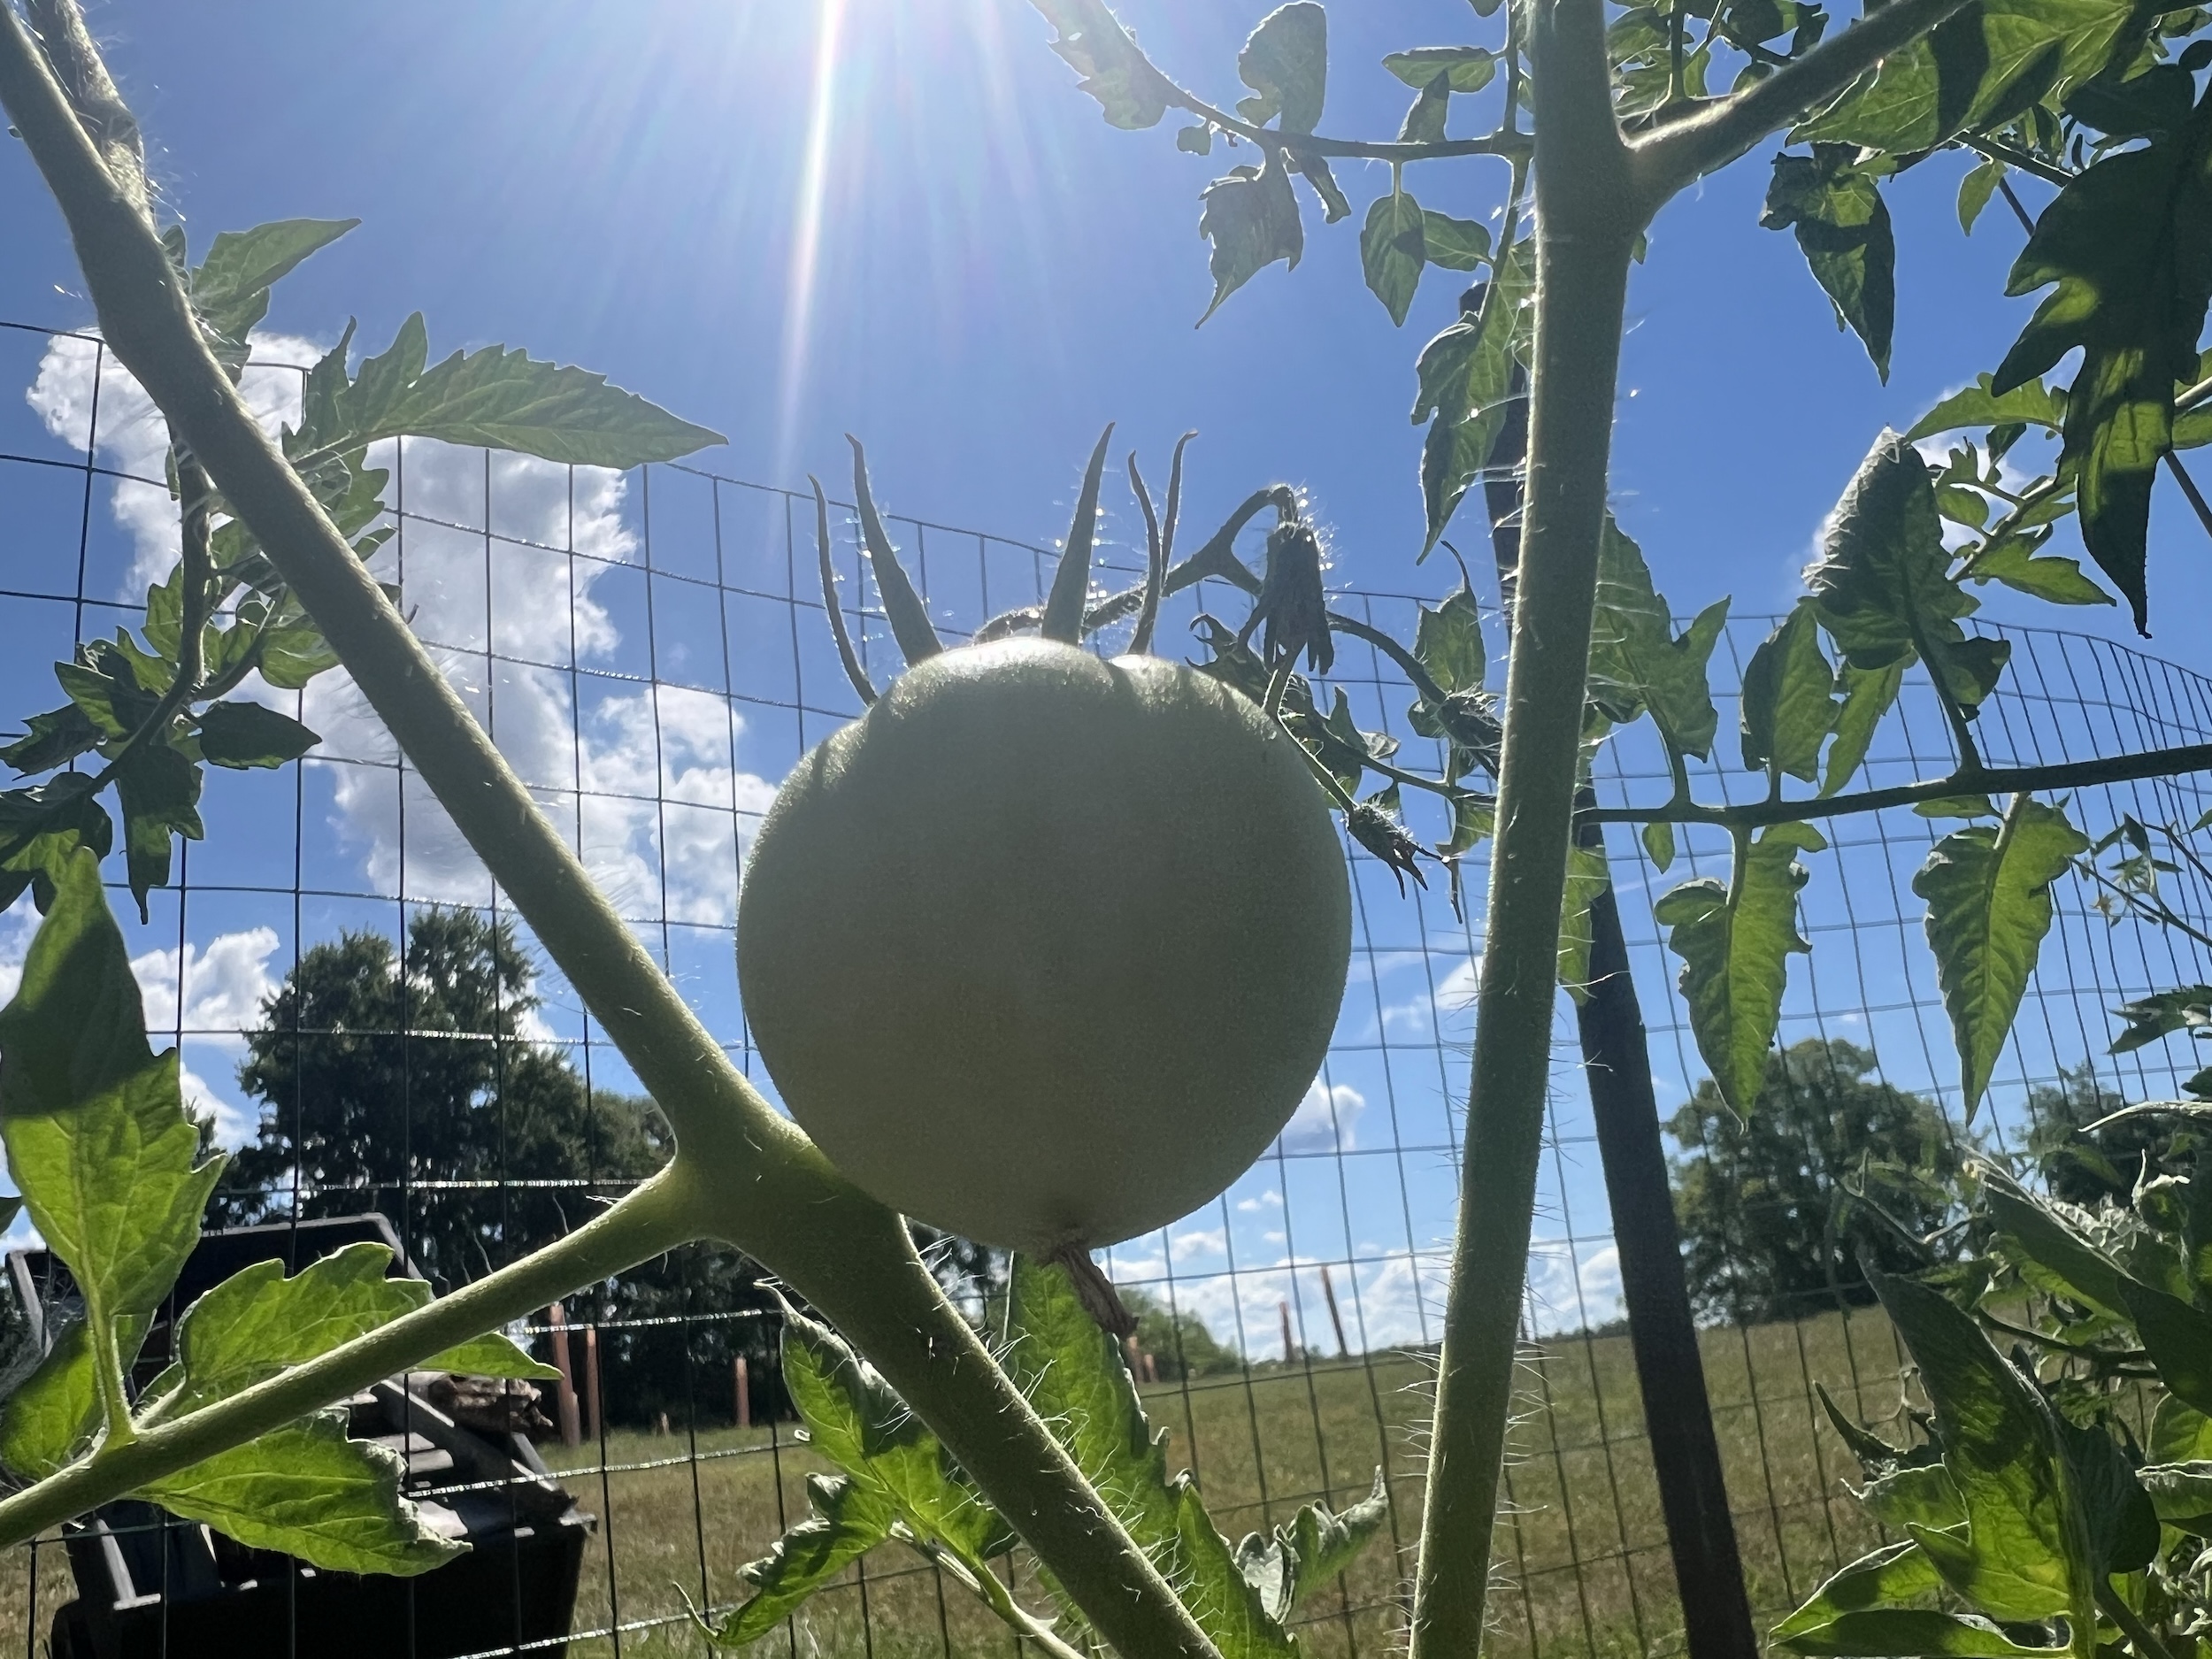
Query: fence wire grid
[650,650]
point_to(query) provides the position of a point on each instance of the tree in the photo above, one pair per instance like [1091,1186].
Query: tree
[1758,1198]
[1180,1345]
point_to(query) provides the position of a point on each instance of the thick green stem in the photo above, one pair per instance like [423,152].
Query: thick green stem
[657,1217]
[759,1183]
[1588,217]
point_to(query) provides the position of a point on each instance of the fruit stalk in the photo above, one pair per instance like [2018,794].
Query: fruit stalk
[745,1175]
[1588,217]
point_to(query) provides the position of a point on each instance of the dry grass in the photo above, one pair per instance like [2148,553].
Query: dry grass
[1586,1554]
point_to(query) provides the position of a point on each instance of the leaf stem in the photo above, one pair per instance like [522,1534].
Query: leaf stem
[2189,488]
[2139,1635]
[2013,156]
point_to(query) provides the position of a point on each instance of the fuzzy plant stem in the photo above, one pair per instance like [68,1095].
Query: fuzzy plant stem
[1588,217]
[741,1173]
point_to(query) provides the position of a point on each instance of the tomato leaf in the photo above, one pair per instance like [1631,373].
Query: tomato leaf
[1091,41]
[1447,643]
[1073,1373]
[2014,562]
[1896,1572]
[309,1491]
[1882,582]
[2178,1339]
[1975,190]
[1286,1566]
[1789,704]
[97,1140]
[1988,889]
[2030,403]
[242,734]
[847,1518]
[1909,1632]
[1251,219]
[1472,68]
[1285,63]
[1466,384]
[41,830]
[2185,1007]
[52,739]
[2128,244]
[1981,66]
[2181,1493]
[2048,1252]
[1638,664]
[158,789]
[2018,1557]
[230,288]
[1456,244]
[1868,694]
[52,1414]
[1833,202]
[1587,876]
[1431,107]
[1735,941]
[1392,248]
[1658,837]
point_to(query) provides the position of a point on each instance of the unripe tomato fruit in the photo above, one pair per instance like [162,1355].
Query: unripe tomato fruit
[1045,950]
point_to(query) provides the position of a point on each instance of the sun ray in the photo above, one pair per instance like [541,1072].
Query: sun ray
[806,239]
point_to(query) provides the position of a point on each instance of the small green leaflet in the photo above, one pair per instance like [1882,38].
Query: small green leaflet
[1909,1632]
[1285,63]
[40,831]
[1466,382]
[258,1323]
[2030,403]
[1469,67]
[1789,704]
[1074,1374]
[1091,41]
[2128,244]
[847,1519]
[241,735]
[97,1140]
[230,288]
[53,1412]
[309,1491]
[1392,248]
[2176,1336]
[2014,562]
[1735,943]
[1251,219]
[1882,585]
[1587,876]
[2001,1448]
[1658,837]
[2049,1253]
[1456,244]
[1833,201]
[499,399]
[158,789]
[1982,66]
[1315,1548]
[1988,889]
[2187,1008]
[1895,1573]
[1975,190]
[1425,121]
[1637,662]
[1447,641]
[1868,694]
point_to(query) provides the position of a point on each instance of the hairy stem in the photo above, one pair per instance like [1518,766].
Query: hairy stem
[1588,217]
[765,1187]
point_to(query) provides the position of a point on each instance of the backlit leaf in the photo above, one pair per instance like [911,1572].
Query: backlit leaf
[1471,67]
[241,735]
[1456,244]
[1735,940]
[309,1491]
[1637,662]
[1587,876]
[1975,190]
[1893,1574]
[2128,244]
[1910,1633]
[52,739]
[1447,643]
[1988,889]
[1658,837]
[1425,121]
[1251,219]
[2181,1493]
[1466,384]
[1834,203]
[2185,1008]
[52,1413]
[41,830]
[230,288]
[2048,1252]
[158,789]
[2176,1336]
[2030,403]
[1289,1565]
[2014,562]
[1789,704]
[1285,63]
[847,1519]
[1868,694]
[1392,251]
[1091,41]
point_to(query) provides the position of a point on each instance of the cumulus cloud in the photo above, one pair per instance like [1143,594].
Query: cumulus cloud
[1326,1119]
[211,993]
[1421,1015]
[640,779]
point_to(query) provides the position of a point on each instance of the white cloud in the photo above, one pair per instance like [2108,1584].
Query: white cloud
[1570,1290]
[641,781]
[1421,1015]
[235,1124]
[212,993]
[1270,1199]
[1325,1120]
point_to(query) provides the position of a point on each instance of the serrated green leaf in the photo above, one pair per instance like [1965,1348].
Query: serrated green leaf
[1251,220]
[847,1520]
[1789,704]
[158,789]
[42,829]
[1982,66]
[1638,662]
[105,688]
[1833,202]
[1975,190]
[1456,244]
[1908,1633]
[1922,1495]
[2030,403]
[259,1323]
[1285,63]
[1471,68]
[1091,41]
[1466,384]
[499,399]
[1735,943]
[97,1140]
[1315,167]
[1587,876]
[230,289]
[1392,251]
[2128,244]
[1074,1374]
[2014,562]
[1868,694]
[53,1413]
[1325,1543]
[1988,889]
[1659,843]
[52,739]
[1893,1574]
[1447,643]
[309,1491]
[2048,1252]
[1883,581]
[2018,1557]
[242,734]
[2181,1493]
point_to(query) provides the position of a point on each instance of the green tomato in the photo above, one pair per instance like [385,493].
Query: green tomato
[1045,950]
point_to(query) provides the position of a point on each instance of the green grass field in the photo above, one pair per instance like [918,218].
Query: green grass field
[1584,1562]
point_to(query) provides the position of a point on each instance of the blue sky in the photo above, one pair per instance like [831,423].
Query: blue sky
[790,222]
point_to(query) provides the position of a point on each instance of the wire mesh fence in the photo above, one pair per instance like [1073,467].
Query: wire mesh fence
[650,653]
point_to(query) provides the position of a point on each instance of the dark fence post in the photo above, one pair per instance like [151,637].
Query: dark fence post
[1670,1369]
